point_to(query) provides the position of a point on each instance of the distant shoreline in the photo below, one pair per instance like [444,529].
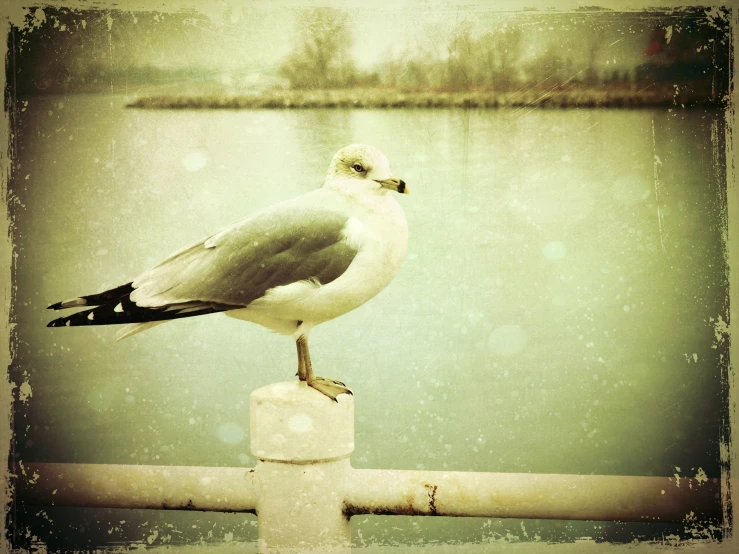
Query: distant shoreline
[621,97]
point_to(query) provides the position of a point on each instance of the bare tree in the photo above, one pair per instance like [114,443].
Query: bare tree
[322,56]
[508,47]
[460,74]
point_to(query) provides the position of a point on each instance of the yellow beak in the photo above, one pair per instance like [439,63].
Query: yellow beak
[393,183]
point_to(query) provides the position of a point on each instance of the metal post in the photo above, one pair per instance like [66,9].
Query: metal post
[303,442]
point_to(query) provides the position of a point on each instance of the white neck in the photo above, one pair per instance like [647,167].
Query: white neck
[356,188]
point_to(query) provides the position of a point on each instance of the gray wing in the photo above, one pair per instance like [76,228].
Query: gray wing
[293,241]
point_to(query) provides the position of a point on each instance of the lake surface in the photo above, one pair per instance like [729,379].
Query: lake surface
[561,309]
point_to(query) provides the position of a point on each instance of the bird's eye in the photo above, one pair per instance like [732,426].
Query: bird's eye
[358,168]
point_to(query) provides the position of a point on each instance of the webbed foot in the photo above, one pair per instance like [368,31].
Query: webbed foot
[329,387]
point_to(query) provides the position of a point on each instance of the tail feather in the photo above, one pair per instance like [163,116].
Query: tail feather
[115,306]
[134,328]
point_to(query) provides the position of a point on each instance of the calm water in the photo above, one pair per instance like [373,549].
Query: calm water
[559,311]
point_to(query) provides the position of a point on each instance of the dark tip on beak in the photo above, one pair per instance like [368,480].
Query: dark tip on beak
[393,183]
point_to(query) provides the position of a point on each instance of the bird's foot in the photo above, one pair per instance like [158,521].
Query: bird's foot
[329,387]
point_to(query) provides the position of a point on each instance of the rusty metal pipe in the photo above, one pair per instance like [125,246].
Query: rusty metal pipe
[137,486]
[529,496]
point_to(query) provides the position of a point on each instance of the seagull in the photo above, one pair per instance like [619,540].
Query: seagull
[287,267]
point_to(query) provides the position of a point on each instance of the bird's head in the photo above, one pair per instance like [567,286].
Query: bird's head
[359,168]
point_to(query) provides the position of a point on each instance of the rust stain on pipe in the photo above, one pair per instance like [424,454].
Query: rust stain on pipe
[432,497]
[530,496]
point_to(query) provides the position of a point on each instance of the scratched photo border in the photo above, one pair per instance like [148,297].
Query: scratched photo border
[13,15]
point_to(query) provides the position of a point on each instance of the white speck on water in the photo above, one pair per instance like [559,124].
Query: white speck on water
[231,433]
[507,340]
[626,308]
[195,161]
[191,421]
[559,300]
[555,250]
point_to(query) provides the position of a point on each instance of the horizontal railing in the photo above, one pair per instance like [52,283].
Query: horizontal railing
[377,491]
[304,491]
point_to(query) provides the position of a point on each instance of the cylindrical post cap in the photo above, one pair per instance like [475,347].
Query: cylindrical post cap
[291,422]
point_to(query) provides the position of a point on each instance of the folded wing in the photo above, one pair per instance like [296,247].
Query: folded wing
[293,241]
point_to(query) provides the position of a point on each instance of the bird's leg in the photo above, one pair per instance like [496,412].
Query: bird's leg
[301,360]
[329,387]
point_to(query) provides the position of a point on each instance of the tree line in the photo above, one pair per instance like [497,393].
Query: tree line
[500,57]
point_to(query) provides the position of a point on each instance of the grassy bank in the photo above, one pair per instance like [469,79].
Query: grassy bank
[613,97]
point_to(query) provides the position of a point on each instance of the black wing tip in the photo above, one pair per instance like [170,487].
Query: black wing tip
[131,313]
[106,297]
[61,322]
[74,320]
[80,302]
